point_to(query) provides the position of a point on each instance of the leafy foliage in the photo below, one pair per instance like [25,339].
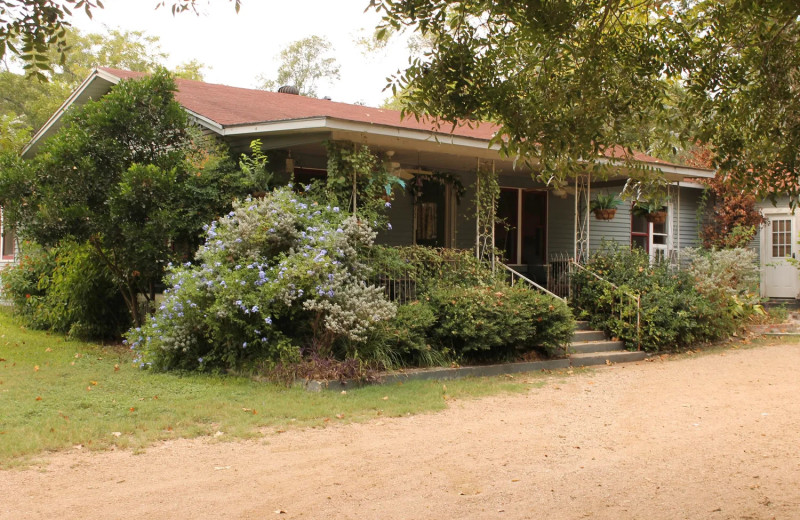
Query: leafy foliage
[36,30]
[124,174]
[733,218]
[573,80]
[303,64]
[678,308]
[275,274]
[500,322]
[66,289]
[358,180]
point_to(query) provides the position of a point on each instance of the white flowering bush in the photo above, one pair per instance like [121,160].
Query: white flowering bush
[728,277]
[275,276]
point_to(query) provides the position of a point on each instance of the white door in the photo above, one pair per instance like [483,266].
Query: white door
[780,274]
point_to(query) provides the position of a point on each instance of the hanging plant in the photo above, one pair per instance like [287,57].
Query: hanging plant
[605,206]
[651,211]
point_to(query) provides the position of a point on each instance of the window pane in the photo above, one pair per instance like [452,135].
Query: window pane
[637,241]
[639,224]
[8,243]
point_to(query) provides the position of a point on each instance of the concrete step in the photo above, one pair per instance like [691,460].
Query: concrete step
[588,335]
[601,358]
[581,325]
[596,346]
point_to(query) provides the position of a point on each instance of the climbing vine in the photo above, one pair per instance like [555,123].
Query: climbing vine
[443,178]
[360,181]
[487,191]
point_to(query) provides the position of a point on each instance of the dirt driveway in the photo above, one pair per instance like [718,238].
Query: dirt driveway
[711,437]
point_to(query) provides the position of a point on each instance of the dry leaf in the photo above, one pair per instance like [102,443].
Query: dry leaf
[36,368]
[340,416]
[38,397]
[116,368]
[116,434]
[385,398]
[94,383]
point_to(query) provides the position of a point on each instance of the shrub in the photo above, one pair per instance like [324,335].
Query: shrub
[66,289]
[275,275]
[430,267]
[678,308]
[406,339]
[499,322]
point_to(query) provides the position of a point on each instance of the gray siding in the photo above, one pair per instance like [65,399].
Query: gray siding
[561,225]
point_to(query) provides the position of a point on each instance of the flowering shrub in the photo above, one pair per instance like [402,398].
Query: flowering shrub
[274,275]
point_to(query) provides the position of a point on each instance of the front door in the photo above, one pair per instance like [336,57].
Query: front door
[780,273]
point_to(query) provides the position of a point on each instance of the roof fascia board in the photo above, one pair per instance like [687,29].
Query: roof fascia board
[33,144]
[329,123]
[683,171]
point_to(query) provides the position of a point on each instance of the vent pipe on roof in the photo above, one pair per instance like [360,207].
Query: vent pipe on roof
[289,89]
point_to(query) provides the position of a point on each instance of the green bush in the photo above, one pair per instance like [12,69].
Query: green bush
[406,339]
[499,322]
[430,267]
[66,289]
[678,308]
[277,276]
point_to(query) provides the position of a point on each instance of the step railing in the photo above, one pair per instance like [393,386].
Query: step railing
[636,300]
[517,276]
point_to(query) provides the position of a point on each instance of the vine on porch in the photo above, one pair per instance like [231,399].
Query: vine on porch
[359,179]
[487,191]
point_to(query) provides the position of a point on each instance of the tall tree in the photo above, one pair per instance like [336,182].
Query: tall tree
[303,64]
[124,174]
[33,101]
[570,80]
[33,29]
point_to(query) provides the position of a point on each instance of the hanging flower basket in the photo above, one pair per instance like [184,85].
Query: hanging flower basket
[605,214]
[656,217]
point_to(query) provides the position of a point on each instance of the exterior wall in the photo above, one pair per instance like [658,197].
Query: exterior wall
[561,222]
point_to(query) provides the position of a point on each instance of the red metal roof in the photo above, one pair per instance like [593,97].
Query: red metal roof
[234,106]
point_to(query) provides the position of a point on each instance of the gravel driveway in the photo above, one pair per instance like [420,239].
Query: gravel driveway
[708,437]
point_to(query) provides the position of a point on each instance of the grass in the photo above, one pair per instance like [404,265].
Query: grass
[56,393]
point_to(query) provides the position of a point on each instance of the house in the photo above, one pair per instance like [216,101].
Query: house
[538,229]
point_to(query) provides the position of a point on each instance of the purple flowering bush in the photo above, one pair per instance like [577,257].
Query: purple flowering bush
[276,277]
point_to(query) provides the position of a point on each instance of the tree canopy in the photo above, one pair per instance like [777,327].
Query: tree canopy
[35,29]
[303,64]
[571,80]
[29,101]
[127,175]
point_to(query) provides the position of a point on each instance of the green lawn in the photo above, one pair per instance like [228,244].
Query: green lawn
[56,393]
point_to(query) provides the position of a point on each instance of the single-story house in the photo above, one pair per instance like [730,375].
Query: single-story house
[536,227]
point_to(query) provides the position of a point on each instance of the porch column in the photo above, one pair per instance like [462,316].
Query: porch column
[582,201]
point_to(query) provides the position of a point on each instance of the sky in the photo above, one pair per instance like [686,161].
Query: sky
[238,48]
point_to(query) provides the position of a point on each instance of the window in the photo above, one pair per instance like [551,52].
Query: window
[655,238]
[7,239]
[781,238]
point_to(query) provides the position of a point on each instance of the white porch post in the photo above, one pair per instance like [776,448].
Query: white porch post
[581,240]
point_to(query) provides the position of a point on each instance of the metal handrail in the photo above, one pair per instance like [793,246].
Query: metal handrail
[636,297]
[528,280]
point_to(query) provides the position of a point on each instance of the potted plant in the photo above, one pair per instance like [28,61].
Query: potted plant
[605,206]
[652,211]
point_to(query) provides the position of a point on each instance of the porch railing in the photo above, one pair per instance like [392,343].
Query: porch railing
[635,298]
[518,277]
